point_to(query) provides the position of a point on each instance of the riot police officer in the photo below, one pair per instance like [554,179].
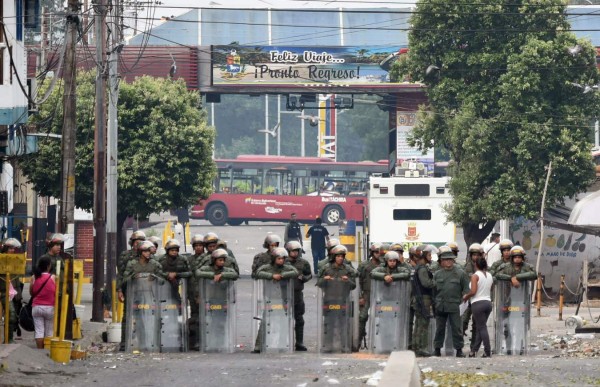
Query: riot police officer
[217,271]
[392,270]
[364,277]
[337,268]
[504,246]
[156,241]
[195,261]
[422,302]
[176,266]
[517,270]
[276,270]
[271,242]
[451,284]
[55,246]
[294,249]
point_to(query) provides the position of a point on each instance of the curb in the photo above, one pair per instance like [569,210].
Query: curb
[401,370]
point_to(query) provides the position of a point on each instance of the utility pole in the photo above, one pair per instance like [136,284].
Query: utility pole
[99,163]
[67,204]
[112,137]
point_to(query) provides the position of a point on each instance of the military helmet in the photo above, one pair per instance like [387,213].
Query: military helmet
[396,247]
[293,245]
[430,249]
[445,252]
[505,244]
[137,235]
[375,246]
[475,248]
[218,253]
[221,244]
[210,237]
[332,242]
[339,249]
[270,239]
[145,246]
[452,245]
[278,252]
[197,239]
[391,255]
[172,244]
[155,240]
[516,251]
[11,243]
[55,239]
[384,248]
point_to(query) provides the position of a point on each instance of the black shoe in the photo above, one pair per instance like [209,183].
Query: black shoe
[472,354]
[300,347]
[486,354]
[256,351]
[422,354]
[122,347]
[437,352]
[459,353]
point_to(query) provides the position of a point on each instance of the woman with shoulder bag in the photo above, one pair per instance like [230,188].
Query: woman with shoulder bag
[481,305]
[42,290]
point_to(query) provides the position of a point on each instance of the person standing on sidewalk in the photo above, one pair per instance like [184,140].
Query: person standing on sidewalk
[43,291]
[319,236]
[294,248]
[481,306]
[451,284]
[293,231]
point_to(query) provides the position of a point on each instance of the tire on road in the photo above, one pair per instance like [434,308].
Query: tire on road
[217,214]
[235,222]
[332,214]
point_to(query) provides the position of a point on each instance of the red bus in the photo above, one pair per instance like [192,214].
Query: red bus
[271,188]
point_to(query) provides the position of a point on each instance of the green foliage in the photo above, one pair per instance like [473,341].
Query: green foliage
[165,147]
[502,102]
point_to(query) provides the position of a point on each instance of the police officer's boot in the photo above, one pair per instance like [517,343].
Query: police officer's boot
[299,341]
[437,352]
[459,353]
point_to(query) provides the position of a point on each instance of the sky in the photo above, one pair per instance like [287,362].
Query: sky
[164,9]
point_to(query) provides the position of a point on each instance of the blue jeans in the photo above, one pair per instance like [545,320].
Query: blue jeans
[318,255]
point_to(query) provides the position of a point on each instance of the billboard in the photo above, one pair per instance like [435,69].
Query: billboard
[299,65]
[408,157]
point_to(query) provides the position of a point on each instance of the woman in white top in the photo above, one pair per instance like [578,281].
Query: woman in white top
[481,306]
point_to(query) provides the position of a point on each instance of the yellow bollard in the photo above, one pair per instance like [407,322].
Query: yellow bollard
[114,300]
[188,233]
[56,294]
[167,233]
[63,316]
[6,309]
[120,310]
[561,298]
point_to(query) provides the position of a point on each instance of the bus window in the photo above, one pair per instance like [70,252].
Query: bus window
[411,214]
[411,189]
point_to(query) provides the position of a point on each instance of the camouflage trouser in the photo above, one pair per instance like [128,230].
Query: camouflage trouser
[466,317]
[440,332]
[363,315]
[411,324]
[420,338]
[299,309]
[124,323]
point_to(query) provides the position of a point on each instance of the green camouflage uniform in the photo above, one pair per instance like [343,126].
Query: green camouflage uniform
[335,271]
[209,272]
[399,273]
[266,272]
[364,278]
[496,265]
[260,260]
[230,262]
[450,286]
[507,270]
[469,269]
[422,300]
[303,267]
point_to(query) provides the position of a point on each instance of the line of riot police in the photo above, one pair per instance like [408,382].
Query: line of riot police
[403,302]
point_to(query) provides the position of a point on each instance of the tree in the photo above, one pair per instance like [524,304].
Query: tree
[500,81]
[165,147]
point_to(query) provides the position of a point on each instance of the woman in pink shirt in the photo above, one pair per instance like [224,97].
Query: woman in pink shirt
[42,289]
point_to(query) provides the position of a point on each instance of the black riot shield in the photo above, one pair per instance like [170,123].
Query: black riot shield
[388,322]
[173,316]
[143,314]
[334,315]
[217,316]
[513,307]
[276,308]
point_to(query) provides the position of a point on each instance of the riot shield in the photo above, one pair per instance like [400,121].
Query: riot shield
[276,308]
[143,314]
[217,316]
[388,322]
[513,307]
[173,316]
[334,316]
